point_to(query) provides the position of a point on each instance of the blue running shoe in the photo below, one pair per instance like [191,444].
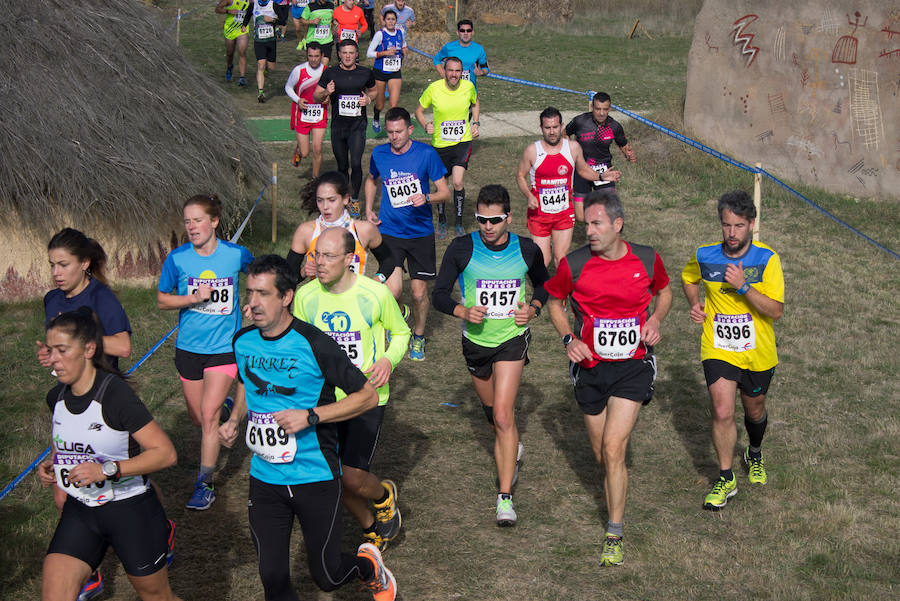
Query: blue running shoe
[203,496]
[460,230]
[228,72]
[441,231]
[376,127]
[92,588]
[417,348]
[242,82]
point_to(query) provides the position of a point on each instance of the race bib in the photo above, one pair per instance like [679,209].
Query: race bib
[734,333]
[300,3]
[92,495]
[321,32]
[600,168]
[555,199]
[453,131]
[348,106]
[348,34]
[265,31]
[501,297]
[312,113]
[616,338]
[220,301]
[354,264]
[239,17]
[400,189]
[390,64]
[467,75]
[351,344]
[268,440]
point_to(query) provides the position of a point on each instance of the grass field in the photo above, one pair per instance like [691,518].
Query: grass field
[825,528]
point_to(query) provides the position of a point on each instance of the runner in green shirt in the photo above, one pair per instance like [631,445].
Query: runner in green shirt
[319,15]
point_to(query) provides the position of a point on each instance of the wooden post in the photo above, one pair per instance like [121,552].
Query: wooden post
[757,201]
[633,28]
[178,28]
[274,202]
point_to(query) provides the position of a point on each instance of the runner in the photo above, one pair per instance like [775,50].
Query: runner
[472,54]
[262,14]
[609,284]
[297,7]
[351,21]
[357,312]
[308,118]
[406,16]
[329,196]
[549,165]
[595,131]
[388,48]
[743,288]
[282,11]
[317,16]
[456,111]
[204,274]
[103,469]
[289,371]
[404,217]
[236,36]
[351,88]
[368,7]
[491,265]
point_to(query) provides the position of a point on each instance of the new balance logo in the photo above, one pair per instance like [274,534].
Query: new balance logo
[637,274]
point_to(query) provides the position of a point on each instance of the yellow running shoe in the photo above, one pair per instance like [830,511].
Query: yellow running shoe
[756,468]
[721,492]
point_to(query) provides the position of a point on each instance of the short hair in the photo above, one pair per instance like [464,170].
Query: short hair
[348,42]
[396,113]
[601,97]
[455,59]
[739,203]
[278,266]
[314,46]
[494,194]
[468,22]
[610,202]
[389,11]
[549,113]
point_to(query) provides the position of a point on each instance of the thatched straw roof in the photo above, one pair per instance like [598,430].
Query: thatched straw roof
[104,121]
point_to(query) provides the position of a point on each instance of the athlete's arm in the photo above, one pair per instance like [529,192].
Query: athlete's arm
[45,470]
[166,300]
[528,158]
[428,126]
[584,170]
[692,293]
[321,94]
[650,332]
[441,192]
[373,51]
[734,275]
[118,345]
[476,110]
[570,128]
[220,8]
[370,188]
[628,151]
[228,431]
[355,403]
[291,83]
[158,453]
[576,350]
[361,18]
[370,238]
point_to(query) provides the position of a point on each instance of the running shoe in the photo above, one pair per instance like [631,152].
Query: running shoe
[242,82]
[261,98]
[91,588]
[354,208]
[756,467]
[383,585]
[721,492]
[375,538]
[612,554]
[387,514]
[460,230]
[417,348]
[228,72]
[296,158]
[301,45]
[203,496]
[280,37]
[405,311]
[442,231]
[227,406]
[376,127]
[506,515]
[170,553]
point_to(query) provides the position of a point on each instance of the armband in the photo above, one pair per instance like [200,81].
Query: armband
[743,289]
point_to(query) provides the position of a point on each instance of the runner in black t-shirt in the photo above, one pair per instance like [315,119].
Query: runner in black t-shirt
[595,131]
[351,87]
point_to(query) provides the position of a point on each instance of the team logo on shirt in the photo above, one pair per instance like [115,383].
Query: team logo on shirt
[751,274]
[563,169]
[72,447]
[95,427]
[337,321]
[263,387]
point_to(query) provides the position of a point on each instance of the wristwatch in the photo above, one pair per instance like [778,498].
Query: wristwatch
[111,470]
[478,123]
[313,417]
[537,309]
[567,339]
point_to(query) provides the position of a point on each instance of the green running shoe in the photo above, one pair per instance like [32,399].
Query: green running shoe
[612,551]
[721,492]
[756,468]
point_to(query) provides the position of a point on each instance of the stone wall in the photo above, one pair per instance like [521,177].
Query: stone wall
[807,88]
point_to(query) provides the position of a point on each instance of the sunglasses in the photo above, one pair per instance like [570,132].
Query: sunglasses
[494,220]
[465,30]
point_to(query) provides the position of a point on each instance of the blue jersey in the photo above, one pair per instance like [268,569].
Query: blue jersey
[298,369]
[206,328]
[403,175]
[389,40]
[470,55]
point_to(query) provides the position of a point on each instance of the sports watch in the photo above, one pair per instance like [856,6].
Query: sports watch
[313,417]
[567,339]
[111,470]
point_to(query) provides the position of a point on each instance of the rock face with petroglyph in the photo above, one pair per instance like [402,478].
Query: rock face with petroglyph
[806,88]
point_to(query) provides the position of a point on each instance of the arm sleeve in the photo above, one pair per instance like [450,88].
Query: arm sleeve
[295,261]
[248,15]
[291,83]
[570,128]
[537,271]
[454,262]
[168,277]
[386,261]
[393,322]
[122,409]
[373,45]
[660,276]
[691,272]
[560,285]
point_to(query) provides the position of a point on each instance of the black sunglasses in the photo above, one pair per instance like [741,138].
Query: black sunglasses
[465,30]
[492,220]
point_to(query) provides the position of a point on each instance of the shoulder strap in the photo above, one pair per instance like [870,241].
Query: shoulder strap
[647,256]
[102,390]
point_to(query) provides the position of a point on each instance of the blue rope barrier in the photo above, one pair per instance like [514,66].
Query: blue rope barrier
[699,146]
[175,22]
[9,487]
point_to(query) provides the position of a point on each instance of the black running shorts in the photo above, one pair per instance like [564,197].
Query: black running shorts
[417,254]
[357,438]
[631,379]
[751,383]
[480,359]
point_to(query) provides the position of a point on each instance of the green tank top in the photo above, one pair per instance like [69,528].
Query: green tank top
[322,32]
